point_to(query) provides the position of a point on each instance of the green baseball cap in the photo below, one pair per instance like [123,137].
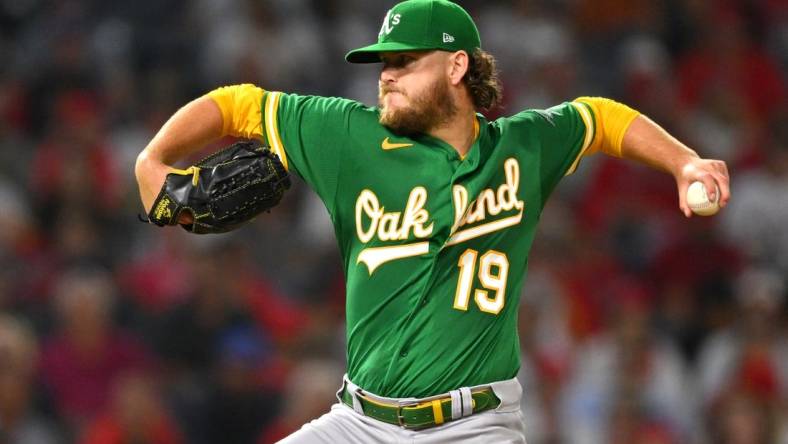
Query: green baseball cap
[419,25]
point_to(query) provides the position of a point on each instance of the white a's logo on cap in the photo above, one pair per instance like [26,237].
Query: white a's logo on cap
[389,23]
[447,38]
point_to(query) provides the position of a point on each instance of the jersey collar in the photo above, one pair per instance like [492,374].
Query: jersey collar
[453,154]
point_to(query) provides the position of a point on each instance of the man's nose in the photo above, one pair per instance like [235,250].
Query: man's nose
[388,75]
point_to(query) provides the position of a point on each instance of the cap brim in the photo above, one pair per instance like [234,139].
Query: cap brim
[371,53]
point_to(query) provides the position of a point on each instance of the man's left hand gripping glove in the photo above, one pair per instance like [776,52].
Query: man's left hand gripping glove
[222,191]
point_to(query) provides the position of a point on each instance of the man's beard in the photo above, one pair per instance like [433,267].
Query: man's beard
[431,109]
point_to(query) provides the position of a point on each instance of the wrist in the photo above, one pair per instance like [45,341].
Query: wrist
[680,165]
[148,164]
[150,173]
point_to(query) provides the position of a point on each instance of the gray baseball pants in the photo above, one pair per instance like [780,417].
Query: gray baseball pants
[343,425]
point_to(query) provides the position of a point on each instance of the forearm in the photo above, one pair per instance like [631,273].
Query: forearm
[646,142]
[623,132]
[192,127]
[187,131]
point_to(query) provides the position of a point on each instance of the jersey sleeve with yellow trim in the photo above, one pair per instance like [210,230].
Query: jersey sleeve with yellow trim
[606,121]
[564,134]
[241,107]
[554,136]
[312,135]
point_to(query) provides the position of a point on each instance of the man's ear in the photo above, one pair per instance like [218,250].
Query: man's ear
[457,66]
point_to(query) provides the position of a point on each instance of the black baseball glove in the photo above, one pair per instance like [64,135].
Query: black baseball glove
[222,191]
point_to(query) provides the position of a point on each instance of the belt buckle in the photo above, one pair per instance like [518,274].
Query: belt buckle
[400,418]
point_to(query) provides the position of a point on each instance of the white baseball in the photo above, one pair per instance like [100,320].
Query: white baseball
[699,202]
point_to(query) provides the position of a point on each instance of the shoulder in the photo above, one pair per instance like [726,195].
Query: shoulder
[540,117]
[322,103]
[339,119]
[553,124]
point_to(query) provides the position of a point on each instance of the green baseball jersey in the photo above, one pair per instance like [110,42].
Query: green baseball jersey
[434,246]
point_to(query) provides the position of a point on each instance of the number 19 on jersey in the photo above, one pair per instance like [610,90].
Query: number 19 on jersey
[493,272]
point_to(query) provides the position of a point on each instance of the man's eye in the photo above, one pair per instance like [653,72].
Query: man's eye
[398,61]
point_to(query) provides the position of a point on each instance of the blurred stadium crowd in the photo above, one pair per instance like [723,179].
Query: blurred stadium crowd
[637,325]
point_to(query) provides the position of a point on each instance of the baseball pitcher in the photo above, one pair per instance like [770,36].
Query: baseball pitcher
[434,208]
